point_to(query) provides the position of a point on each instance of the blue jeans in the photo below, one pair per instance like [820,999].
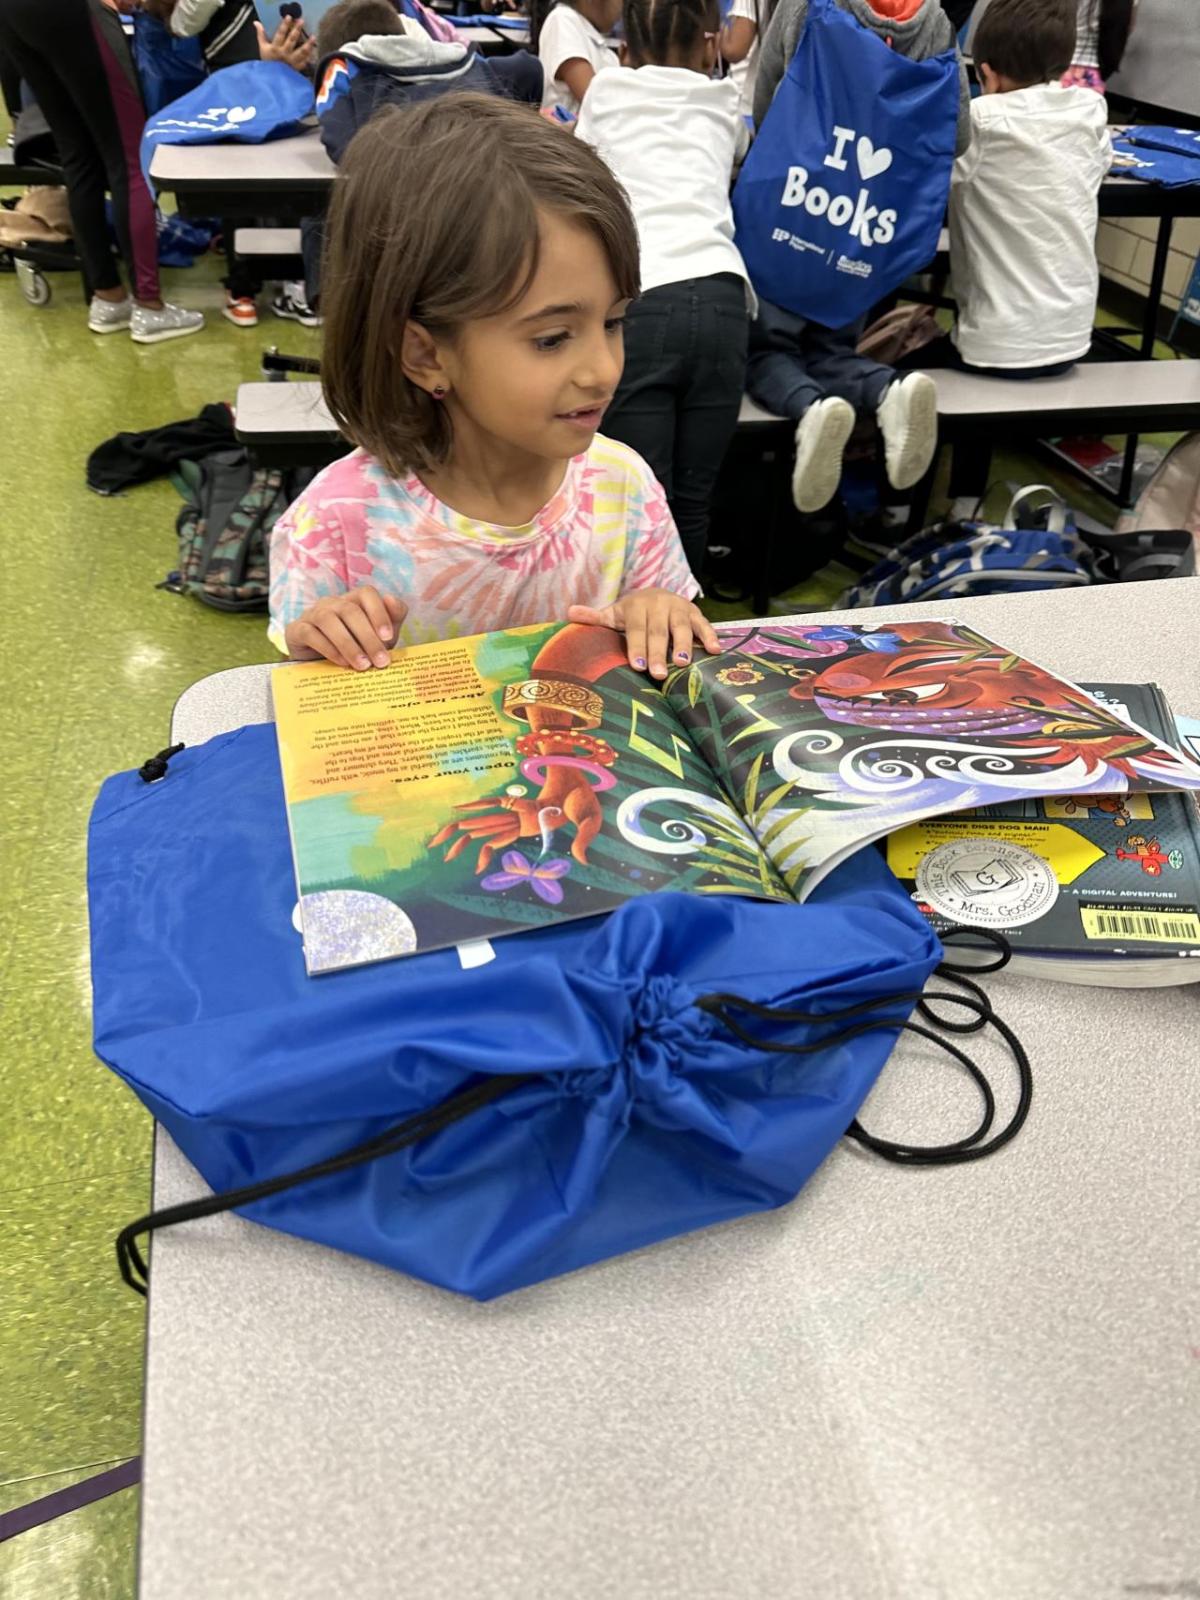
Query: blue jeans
[794,363]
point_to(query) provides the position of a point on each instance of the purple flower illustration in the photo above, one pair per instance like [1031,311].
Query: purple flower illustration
[755,643]
[542,876]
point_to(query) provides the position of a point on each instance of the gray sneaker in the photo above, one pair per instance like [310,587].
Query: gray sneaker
[109,316]
[172,322]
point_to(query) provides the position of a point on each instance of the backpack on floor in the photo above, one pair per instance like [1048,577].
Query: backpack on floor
[224,530]
[1033,548]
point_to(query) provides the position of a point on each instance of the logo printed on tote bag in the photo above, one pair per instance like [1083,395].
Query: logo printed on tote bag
[844,190]
[865,221]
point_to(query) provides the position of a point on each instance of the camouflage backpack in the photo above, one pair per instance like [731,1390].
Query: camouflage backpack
[224,529]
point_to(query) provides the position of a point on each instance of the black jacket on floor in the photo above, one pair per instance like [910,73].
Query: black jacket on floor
[130,458]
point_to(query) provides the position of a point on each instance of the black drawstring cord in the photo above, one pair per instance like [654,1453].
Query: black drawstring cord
[136,1272]
[973,1000]
[150,771]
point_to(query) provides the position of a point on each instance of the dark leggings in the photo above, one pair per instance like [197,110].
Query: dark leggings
[10,87]
[74,58]
[971,459]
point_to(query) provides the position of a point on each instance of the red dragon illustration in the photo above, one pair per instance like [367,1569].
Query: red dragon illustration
[972,690]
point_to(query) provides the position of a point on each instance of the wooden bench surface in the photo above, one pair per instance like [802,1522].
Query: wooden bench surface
[1145,394]
[278,412]
[267,412]
[266,241]
[1093,386]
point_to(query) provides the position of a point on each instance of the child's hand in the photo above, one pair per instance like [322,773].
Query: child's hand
[351,630]
[654,623]
[290,44]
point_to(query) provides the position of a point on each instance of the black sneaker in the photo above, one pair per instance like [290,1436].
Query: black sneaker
[289,302]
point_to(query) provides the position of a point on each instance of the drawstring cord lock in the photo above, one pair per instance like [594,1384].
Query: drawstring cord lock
[150,771]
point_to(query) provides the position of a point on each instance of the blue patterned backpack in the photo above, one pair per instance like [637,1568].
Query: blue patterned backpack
[1035,547]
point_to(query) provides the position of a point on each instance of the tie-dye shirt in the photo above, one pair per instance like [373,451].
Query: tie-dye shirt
[606,532]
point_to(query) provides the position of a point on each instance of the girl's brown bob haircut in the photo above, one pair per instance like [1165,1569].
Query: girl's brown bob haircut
[434,219]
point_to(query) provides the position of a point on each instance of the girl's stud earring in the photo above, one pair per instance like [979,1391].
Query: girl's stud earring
[439,393]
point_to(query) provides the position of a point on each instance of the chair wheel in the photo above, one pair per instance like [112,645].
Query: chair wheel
[34,284]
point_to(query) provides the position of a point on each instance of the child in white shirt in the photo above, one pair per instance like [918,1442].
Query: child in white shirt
[1023,198]
[744,25]
[1023,214]
[670,133]
[572,45]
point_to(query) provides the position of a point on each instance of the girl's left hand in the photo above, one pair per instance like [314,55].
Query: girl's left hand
[658,626]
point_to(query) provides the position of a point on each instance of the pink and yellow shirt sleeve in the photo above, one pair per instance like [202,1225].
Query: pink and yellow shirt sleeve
[606,532]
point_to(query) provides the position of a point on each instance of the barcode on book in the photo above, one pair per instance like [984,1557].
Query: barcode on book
[1160,927]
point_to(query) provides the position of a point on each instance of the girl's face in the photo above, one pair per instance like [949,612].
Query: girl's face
[602,14]
[538,376]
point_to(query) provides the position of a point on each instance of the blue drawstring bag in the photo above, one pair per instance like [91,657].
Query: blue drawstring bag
[596,1087]
[248,103]
[167,67]
[1149,163]
[844,191]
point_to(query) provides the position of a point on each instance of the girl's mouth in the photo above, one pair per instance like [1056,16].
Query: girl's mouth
[587,417]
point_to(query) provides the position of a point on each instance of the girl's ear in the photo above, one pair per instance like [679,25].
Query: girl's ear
[420,359]
[623,53]
[711,53]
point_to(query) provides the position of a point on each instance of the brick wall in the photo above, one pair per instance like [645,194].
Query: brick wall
[1125,246]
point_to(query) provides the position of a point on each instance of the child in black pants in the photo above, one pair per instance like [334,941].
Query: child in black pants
[671,133]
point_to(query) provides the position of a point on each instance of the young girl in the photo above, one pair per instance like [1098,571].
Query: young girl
[471,351]
[745,23]
[572,44]
[670,133]
[1102,30]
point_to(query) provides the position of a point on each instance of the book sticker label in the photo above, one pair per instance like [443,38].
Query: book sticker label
[986,883]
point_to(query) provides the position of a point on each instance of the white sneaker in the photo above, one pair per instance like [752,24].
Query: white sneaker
[172,322]
[109,316]
[821,436]
[908,420]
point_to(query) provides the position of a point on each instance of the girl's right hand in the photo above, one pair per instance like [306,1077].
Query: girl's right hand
[351,630]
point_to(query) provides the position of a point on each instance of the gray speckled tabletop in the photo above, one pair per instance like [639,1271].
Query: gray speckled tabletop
[979,1383]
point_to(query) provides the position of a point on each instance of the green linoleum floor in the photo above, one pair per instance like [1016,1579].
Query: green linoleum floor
[95,656]
[94,659]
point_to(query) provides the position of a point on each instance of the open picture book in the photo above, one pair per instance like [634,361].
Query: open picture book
[483,786]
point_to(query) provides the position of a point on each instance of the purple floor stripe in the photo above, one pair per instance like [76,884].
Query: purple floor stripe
[70,1499]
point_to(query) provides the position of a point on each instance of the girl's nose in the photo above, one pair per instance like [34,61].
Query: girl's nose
[601,366]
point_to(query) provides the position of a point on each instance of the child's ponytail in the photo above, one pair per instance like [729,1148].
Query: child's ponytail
[656,31]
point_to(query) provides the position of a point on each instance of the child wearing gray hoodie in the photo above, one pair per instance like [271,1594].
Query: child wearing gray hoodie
[917,29]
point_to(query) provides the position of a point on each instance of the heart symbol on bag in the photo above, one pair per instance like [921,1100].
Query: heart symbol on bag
[871,162]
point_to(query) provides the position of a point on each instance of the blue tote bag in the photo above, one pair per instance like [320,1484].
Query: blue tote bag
[594,1088]
[843,193]
[249,103]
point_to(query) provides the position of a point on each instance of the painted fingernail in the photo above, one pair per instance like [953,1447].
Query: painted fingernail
[361,663]
[383,659]
[639,662]
[682,655]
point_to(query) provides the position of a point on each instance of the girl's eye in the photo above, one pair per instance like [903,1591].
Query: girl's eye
[550,341]
[614,324]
